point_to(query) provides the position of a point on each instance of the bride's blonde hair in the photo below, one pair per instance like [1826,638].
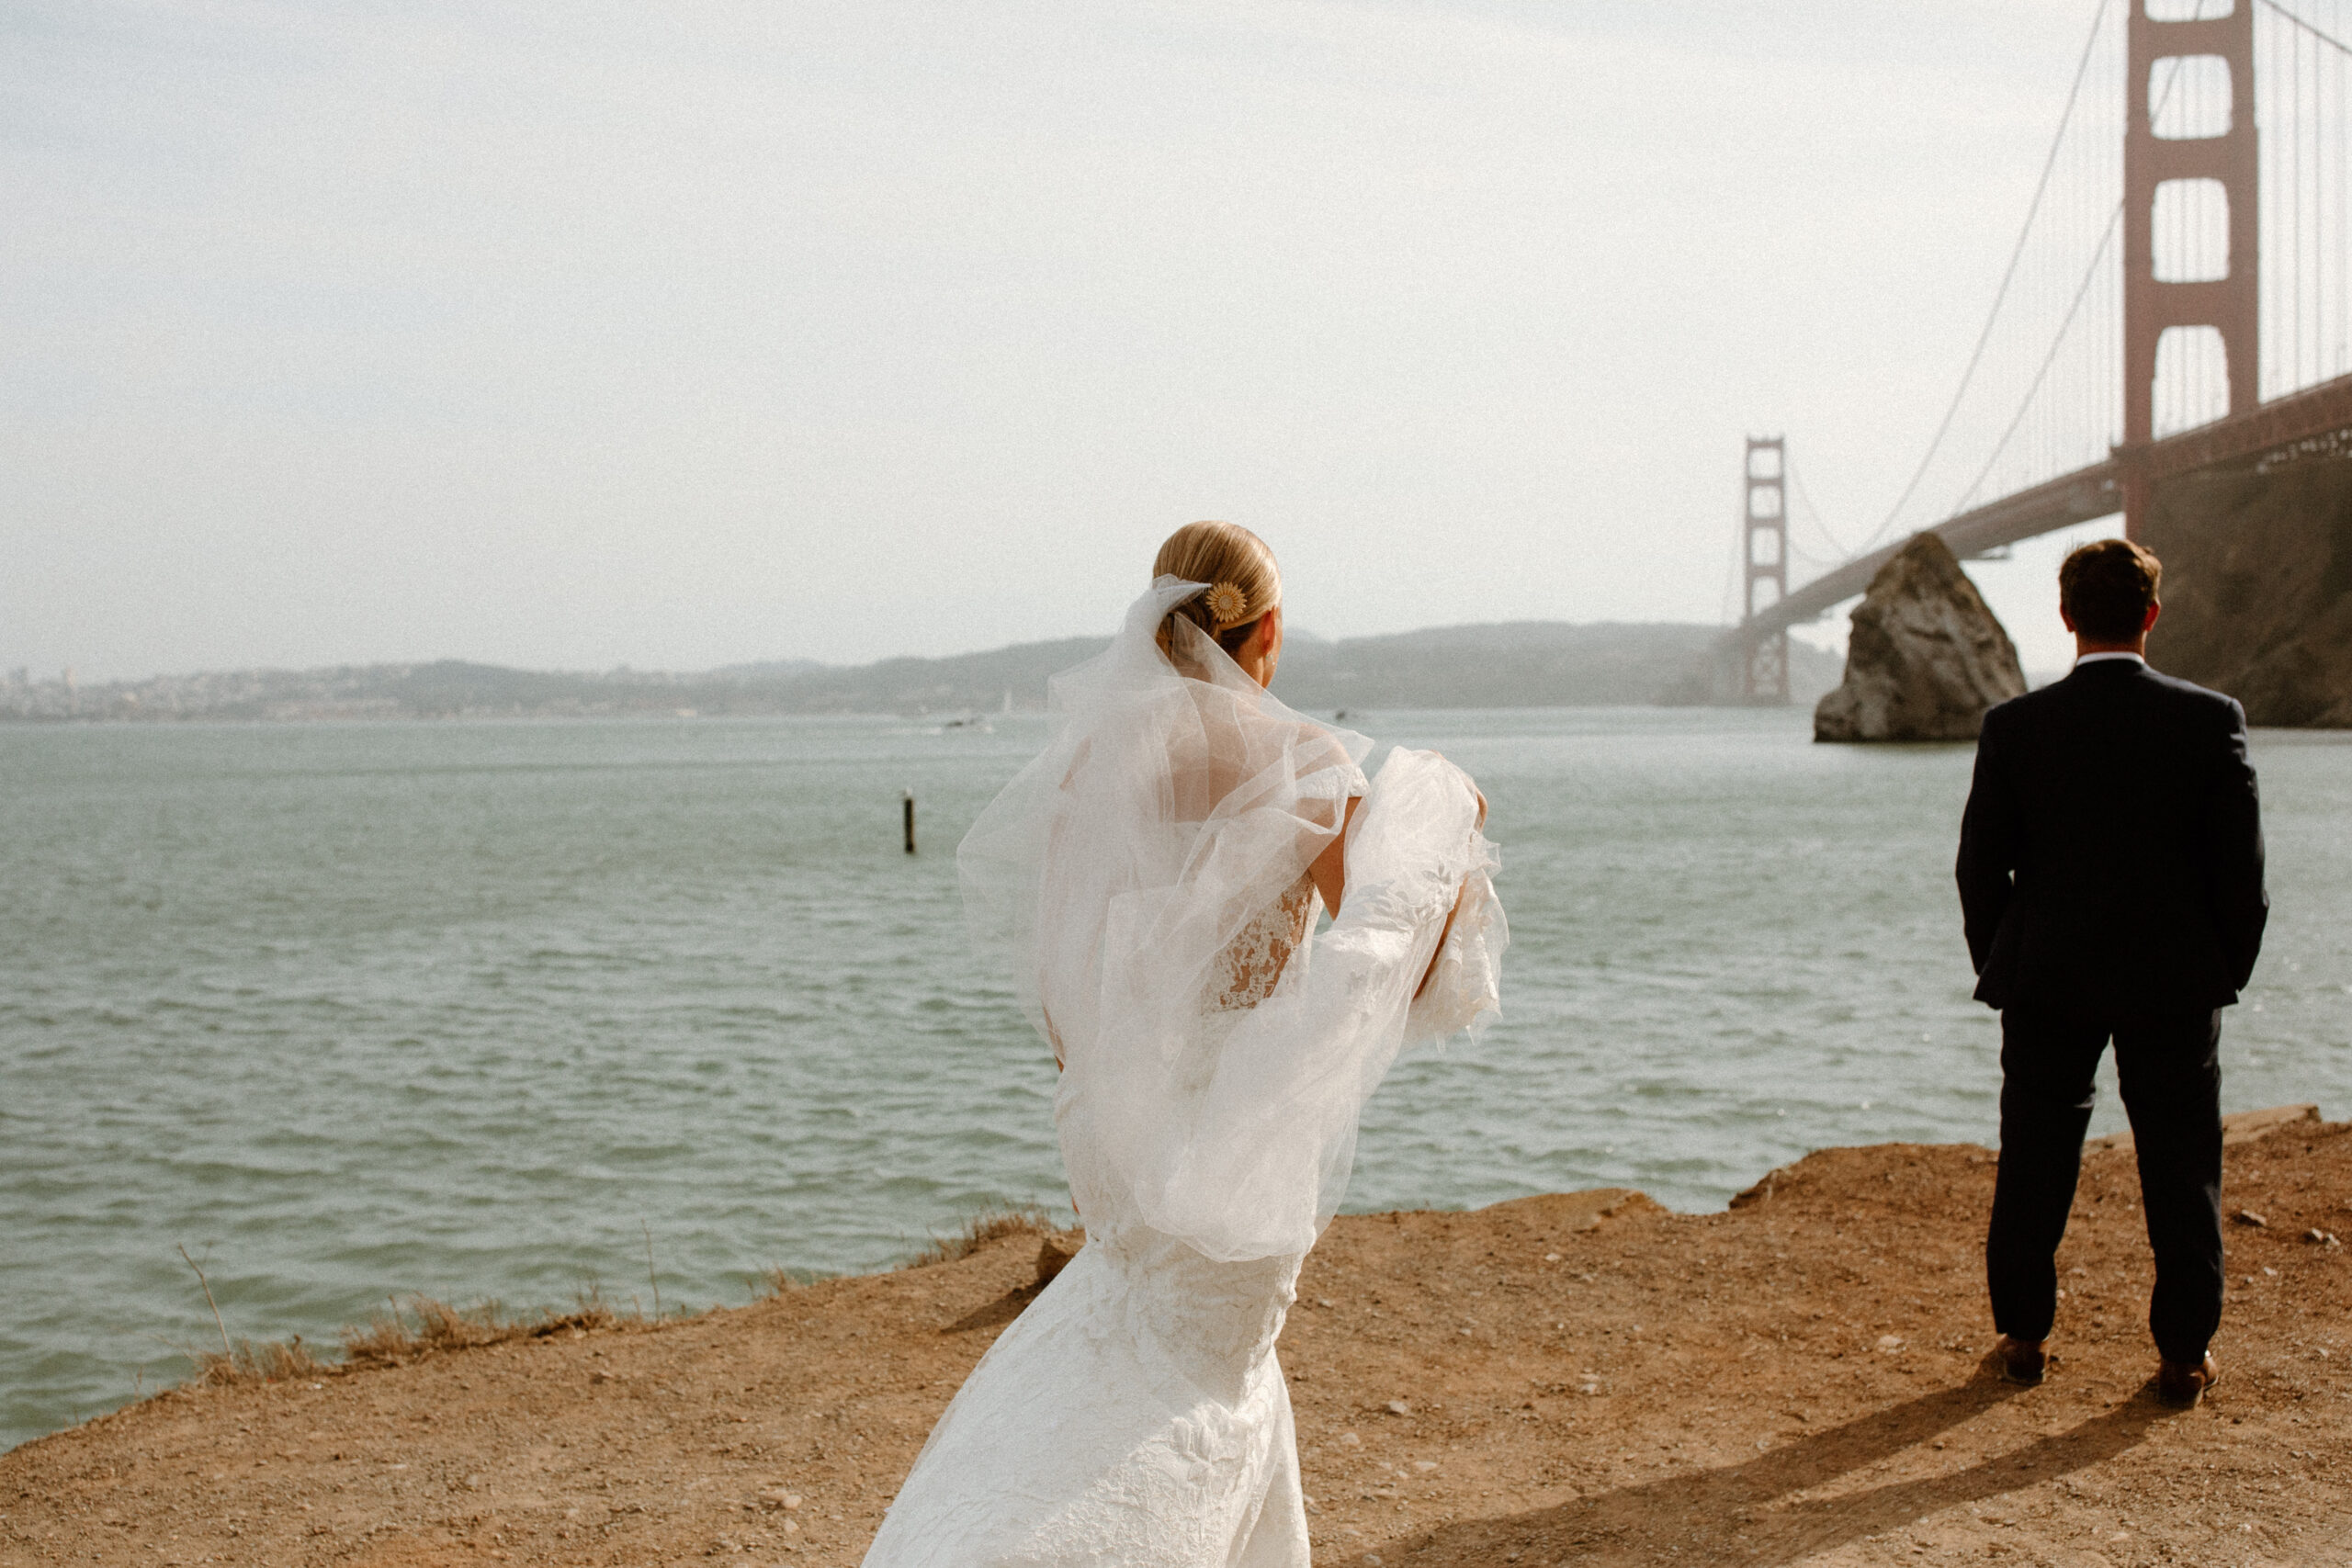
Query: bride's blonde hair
[1236,564]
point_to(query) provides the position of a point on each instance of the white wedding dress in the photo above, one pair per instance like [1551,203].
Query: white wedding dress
[1146,879]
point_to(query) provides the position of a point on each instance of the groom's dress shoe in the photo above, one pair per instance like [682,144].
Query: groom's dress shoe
[2022,1362]
[2181,1385]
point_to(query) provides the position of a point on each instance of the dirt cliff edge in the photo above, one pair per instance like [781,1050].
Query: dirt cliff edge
[1580,1378]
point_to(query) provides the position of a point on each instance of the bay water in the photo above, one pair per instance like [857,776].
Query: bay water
[492,1010]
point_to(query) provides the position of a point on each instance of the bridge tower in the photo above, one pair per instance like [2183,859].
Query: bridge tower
[2231,303]
[1764,550]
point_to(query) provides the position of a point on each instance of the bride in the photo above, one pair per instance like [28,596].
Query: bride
[1153,881]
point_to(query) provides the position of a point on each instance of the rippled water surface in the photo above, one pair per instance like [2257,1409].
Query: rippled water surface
[475,1010]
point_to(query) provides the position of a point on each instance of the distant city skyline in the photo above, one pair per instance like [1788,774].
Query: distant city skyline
[562,339]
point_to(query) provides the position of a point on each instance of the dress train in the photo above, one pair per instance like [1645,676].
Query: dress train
[1135,1415]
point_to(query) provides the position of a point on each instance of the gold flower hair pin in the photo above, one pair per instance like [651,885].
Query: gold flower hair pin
[1228,605]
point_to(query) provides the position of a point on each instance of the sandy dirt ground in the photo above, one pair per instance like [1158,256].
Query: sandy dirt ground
[1580,1379]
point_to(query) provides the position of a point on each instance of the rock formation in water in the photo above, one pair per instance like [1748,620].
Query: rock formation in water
[1927,656]
[2258,587]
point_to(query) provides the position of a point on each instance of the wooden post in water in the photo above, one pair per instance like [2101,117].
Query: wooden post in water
[908,813]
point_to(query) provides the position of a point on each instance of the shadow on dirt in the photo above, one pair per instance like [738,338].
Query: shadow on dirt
[1720,1514]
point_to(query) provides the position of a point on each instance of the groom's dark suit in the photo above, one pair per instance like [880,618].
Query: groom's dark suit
[2110,879]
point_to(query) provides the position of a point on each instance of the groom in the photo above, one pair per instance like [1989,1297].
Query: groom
[2110,880]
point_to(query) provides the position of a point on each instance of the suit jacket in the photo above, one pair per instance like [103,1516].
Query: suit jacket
[2110,855]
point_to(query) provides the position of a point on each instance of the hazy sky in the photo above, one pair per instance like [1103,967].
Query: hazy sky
[578,334]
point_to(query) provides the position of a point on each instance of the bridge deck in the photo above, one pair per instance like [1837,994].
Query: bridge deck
[2083,496]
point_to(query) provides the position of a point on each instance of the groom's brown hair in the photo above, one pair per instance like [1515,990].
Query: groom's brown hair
[2107,586]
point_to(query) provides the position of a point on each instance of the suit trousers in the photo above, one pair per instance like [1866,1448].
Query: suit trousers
[2168,1066]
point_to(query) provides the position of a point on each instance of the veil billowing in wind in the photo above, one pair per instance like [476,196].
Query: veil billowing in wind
[1142,881]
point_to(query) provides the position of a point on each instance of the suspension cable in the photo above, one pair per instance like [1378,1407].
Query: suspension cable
[2331,42]
[2025,403]
[1814,512]
[2025,232]
[2082,290]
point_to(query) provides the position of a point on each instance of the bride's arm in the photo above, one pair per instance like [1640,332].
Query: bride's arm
[1443,931]
[1330,869]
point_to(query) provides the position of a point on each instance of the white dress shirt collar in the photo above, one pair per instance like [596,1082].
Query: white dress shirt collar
[2095,658]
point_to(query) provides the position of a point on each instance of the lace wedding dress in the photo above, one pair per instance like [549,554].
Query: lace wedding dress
[1146,880]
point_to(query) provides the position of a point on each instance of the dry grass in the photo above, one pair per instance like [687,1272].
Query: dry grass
[988,1225]
[775,1279]
[982,1228]
[273,1361]
[421,1327]
[428,1326]
[407,1332]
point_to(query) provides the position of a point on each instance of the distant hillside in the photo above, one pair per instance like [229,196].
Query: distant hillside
[1519,664]
[1514,664]
[963,683]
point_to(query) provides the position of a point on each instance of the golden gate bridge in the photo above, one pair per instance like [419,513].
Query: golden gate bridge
[2202,291]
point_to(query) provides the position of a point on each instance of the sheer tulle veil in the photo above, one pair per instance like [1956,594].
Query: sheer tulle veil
[1175,802]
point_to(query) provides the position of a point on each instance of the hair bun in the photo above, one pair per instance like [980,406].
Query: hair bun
[1226,605]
